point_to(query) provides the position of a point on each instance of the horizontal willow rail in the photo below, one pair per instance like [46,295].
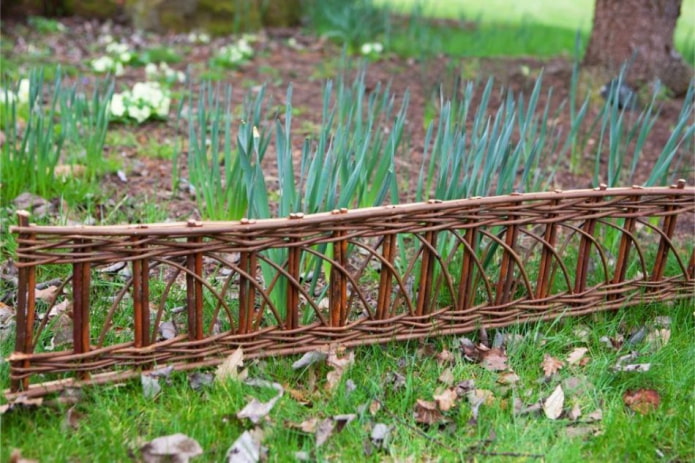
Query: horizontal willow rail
[135,297]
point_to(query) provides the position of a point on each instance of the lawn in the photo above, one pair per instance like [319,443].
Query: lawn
[105,125]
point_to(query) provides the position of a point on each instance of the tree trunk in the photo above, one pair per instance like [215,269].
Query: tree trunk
[641,33]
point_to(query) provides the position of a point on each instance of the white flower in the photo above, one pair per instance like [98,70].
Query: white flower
[117,105]
[125,57]
[117,48]
[151,70]
[23,91]
[140,114]
[102,64]
[118,69]
[374,48]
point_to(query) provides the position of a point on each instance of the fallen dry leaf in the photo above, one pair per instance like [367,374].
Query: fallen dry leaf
[446,399]
[642,401]
[150,386]
[552,406]
[199,380]
[508,378]
[576,355]
[256,410]
[246,449]
[551,365]
[445,357]
[324,430]
[374,407]
[167,330]
[72,419]
[463,387]
[16,457]
[582,431]
[177,447]
[229,369]
[596,415]
[426,412]
[659,337]
[470,351]
[310,358]
[447,376]
[478,397]
[380,435]
[575,412]
[339,364]
[47,294]
[641,367]
[494,359]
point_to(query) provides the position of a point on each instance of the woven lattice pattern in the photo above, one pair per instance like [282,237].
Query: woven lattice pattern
[188,294]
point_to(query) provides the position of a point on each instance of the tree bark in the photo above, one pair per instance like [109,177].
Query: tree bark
[639,32]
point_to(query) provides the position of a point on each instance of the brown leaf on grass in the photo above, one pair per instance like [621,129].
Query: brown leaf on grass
[596,415]
[445,357]
[582,431]
[447,376]
[470,351]
[47,294]
[642,401]
[494,359]
[299,395]
[659,337]
[463,387]
[246,449]
[16,457]
[339,364]
[552,406]
[229,369]
[324,430]
[395,379]
[575,412]
[68,171]
[446,399]
[551,365]
[150,386]
[256,410]
[308,426]
[310,358]
[177,448]
[508,378]
[427,412]
[72,419]
[21,402]
[374,407]
[380,435]
[576,355]
[478,397]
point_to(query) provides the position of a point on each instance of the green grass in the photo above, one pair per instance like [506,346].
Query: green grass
[503,28]
[116,419]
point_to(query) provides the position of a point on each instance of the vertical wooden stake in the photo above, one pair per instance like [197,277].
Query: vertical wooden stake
[545,267]
[388,251]
[26,301]
[141,299]
[294,256]
[426,274]
[466,290]
[247,292]
[623,250]
[194,291]
[506,276]
[585,251]
[80,307]
[668,227]
[338,284]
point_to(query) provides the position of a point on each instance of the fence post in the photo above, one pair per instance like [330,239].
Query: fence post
[545,267]
[506,275]
[194,289]
[426,273]
[466,288]
[338,284]
[624,248]
[388,251]
[81,276]
[668,227]
[26,301]
[141,297]
[585,249]
[247,292]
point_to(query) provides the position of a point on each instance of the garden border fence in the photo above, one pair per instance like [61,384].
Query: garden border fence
[137,297]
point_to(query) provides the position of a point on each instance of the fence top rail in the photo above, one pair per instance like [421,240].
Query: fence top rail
[337,216]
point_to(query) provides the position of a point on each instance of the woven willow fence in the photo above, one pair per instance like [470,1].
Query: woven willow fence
[188,294]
